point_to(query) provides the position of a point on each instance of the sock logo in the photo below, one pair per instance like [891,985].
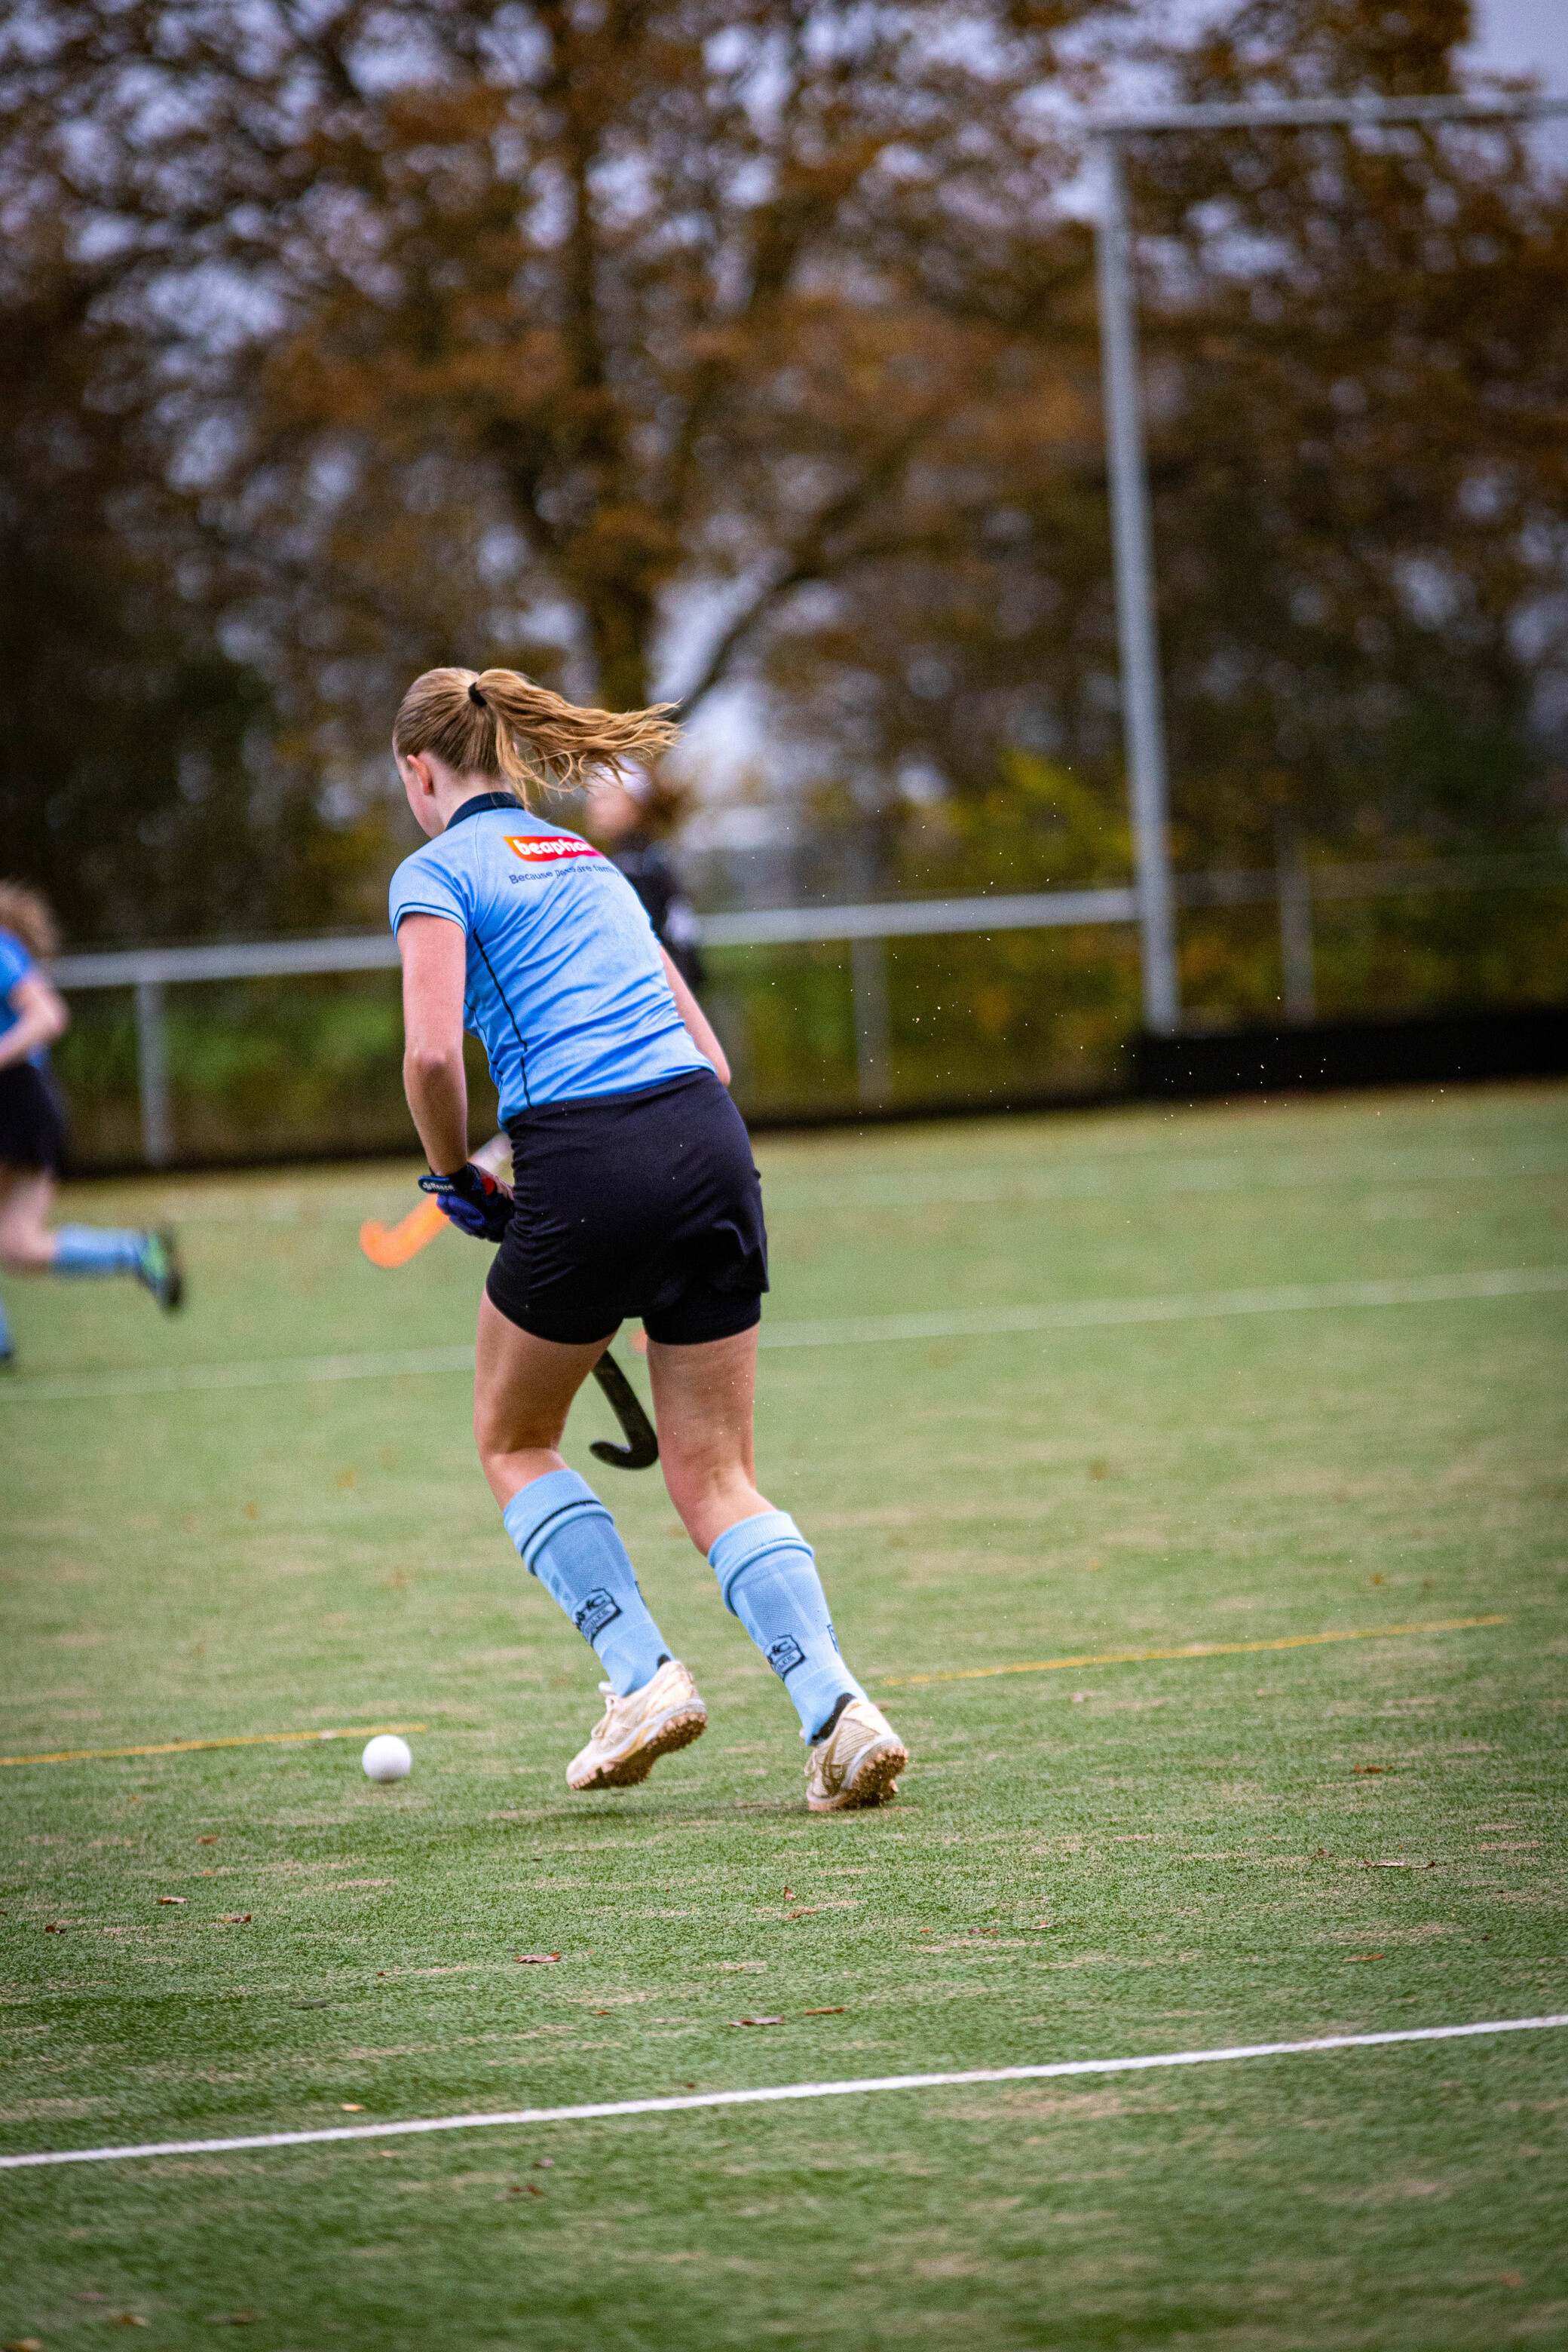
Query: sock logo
[599,1609]
[786,1655]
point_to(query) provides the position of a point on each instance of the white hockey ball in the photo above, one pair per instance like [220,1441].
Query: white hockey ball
[387,1758]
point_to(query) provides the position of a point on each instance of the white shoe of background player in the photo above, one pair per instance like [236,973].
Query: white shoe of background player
[635,1731]
[858,1762]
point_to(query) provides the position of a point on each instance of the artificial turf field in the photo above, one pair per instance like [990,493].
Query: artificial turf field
[1095,1860]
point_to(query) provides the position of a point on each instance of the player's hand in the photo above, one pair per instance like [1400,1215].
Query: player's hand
[472,1201]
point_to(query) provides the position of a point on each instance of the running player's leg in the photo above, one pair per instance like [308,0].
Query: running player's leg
[523,1390]
[703,1395]
[29,1246]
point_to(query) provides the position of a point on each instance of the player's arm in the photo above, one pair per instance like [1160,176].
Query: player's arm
[699,1027]
[435,954]
[434,964]
[41,1017]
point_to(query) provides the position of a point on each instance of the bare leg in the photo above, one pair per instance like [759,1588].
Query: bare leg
[523,1389]
[702,1399]
[26,1244]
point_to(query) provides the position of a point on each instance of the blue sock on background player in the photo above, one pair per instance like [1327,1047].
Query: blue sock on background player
[5,1335]
[99,1249]
[567,1539]
[767,1574]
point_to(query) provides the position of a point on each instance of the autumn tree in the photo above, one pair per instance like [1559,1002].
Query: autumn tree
[582,335]
[141,783]
[1356,370]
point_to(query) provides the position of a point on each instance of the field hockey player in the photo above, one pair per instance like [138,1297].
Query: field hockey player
[634,1195]
[33,1130]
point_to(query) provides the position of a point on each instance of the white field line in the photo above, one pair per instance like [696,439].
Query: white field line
[950,1188]
[956,1323]
[1089,1314]
[777,2094]
[279,1371]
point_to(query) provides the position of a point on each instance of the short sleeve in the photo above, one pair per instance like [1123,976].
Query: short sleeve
[15,964]
[423,885]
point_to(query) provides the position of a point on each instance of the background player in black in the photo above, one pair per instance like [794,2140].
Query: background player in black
[627,816]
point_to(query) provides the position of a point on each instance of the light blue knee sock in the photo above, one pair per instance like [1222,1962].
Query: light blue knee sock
[567,1538]
[5,1331]
[767,1574]
[97,1249]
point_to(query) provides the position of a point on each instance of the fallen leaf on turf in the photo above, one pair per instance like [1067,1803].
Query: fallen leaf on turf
[824,2013]
[756,2020]
[536,1959]
[1369,1768]
[1352,1957]
[173,1898]
[352,2107]
[211,1839]
[805,1911]
[237,1919]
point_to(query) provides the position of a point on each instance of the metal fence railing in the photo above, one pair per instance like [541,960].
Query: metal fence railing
[1291,885]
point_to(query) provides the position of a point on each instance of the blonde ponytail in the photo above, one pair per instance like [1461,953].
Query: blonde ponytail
[29,916]
[496,723]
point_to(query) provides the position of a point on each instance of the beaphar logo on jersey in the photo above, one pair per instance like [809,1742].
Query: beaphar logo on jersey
[548,848]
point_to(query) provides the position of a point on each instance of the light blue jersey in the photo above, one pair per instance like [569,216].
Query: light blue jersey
[565,985]
[15,964]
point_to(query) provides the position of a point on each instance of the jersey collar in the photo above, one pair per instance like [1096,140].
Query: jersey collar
[482,801]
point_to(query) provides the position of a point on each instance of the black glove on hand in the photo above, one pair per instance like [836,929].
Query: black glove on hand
[472,1201]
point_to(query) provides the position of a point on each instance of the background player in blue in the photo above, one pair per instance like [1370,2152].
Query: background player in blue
[33,1130]
[632,1194]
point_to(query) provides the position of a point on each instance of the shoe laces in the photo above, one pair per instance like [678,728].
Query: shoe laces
[607,1693]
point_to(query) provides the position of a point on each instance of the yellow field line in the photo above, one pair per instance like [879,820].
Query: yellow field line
[1190,1650]
[184,1746]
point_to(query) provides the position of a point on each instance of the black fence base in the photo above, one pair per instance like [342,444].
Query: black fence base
[1530,1041]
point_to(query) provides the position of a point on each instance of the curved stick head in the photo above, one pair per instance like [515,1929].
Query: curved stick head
[641,1449]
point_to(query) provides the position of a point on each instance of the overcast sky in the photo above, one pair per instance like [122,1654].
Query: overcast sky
[1523,36]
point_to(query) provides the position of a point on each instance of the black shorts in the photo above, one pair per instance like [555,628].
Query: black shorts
[32,1123]
[644,1204]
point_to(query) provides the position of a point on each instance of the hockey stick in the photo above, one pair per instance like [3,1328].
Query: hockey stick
[390,1245]
[641,1448]
[394,1245]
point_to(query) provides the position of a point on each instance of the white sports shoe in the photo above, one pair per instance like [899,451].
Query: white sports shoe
[635,1731]
[858,1763]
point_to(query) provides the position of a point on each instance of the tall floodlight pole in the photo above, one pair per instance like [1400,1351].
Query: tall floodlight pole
[1142,717]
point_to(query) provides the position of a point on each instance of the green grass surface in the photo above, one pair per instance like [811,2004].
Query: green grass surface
[1156,1856]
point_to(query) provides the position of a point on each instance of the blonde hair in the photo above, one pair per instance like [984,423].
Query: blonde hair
[494,723]
[28,915]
